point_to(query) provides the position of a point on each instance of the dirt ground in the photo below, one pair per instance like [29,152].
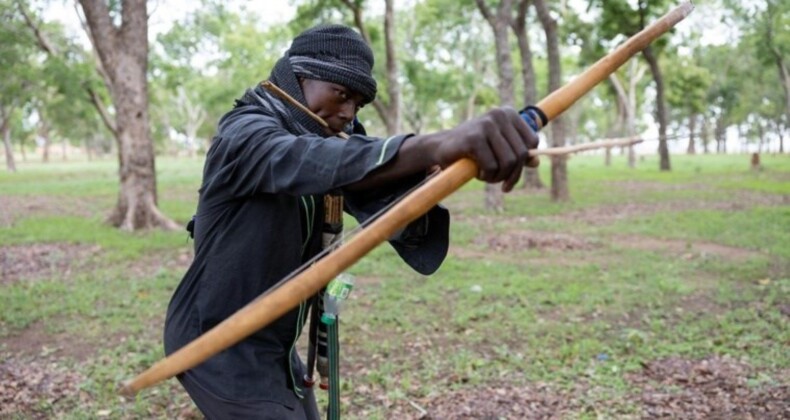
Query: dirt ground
[32,376]
[710,388]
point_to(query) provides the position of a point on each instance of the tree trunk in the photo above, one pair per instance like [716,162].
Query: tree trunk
[532,179]
[760,137]
[525,51]
[661,110]
[619,128]
[43,132]
[86,142]
[195,115]
[388,111]
[5,130]
[692,148]
[784,73]
[531,175]
[45,148]
[22,150]
[559,166]
[705,135]
[123,52]
[636,72]
[393,86]
[720,133]
[500,23]
[559,178]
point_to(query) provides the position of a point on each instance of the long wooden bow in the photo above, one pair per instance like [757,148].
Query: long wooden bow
[274,303]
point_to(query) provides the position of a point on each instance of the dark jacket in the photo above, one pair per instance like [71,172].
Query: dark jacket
[259,217]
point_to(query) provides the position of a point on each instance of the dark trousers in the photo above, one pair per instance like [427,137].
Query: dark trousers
[217,408]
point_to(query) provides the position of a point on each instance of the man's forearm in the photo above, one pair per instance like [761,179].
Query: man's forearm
[416,154]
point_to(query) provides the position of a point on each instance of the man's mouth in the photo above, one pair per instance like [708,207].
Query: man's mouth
[337,126]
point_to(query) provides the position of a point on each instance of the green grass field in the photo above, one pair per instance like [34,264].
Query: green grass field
[648,291]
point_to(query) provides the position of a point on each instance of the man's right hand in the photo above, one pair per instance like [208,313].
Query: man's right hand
[498,141]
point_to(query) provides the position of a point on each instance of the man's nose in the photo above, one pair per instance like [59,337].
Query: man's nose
[348,110]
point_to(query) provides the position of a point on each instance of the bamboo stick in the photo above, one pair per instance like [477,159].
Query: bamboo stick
[275,303]
[556,151]
[288,98]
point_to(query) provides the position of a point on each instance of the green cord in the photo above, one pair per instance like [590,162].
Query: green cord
[333,345]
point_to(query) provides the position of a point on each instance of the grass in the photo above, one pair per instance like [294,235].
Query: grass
[563,317]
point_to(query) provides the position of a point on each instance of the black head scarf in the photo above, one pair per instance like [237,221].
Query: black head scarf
[331,53]
[337,54]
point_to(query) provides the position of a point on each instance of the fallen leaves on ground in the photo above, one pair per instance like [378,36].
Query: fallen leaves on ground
[34,387]
[714,387]
[52,260]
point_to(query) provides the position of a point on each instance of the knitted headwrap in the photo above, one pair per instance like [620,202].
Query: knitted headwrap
[336,54]
[331,53]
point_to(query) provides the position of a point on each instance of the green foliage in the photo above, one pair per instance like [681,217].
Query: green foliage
[186,82]
[446,66]
[688,87]
[765,51]
[19,74]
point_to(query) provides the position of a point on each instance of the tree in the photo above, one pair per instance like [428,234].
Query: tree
[726,85]
[123,54]
[559,164]
[762,24]
[240,56]
[519,25]
[64,105]
[776,42]
[687,92]
[627,103]
[500,20]
[18,75]
[449,74]
[618,17]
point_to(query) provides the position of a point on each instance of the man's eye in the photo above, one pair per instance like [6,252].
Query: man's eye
[341,93]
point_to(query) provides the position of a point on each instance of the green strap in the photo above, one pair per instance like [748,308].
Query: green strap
[333,409]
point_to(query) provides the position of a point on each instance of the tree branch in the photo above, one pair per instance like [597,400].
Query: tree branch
[485,11]
[104,35]
[358,22]
[43,41]
[97,61]
[51,50]
[97,103]
[520,23]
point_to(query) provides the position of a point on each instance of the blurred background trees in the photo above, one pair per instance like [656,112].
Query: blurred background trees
[438,62]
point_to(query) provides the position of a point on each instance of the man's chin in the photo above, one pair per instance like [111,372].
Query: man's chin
[333,131]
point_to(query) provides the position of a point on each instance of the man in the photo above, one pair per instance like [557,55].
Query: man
[259,213]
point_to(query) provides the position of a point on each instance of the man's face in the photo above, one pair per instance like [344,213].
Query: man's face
[336,104]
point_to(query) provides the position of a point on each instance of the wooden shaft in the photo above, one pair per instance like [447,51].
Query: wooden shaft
[274,303]
[561,99]
[556,151]
[288,98]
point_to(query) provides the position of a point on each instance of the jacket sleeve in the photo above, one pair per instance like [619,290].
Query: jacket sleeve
[253,154]
[422,244]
